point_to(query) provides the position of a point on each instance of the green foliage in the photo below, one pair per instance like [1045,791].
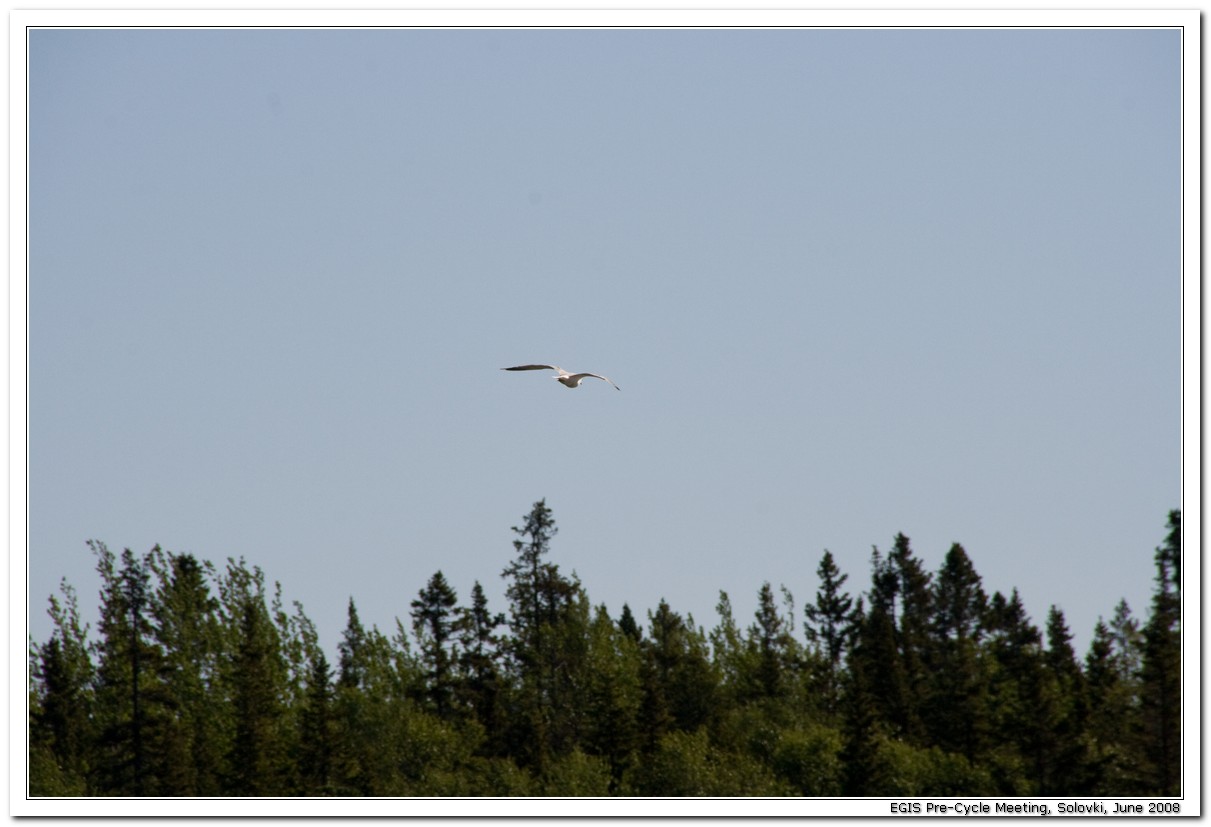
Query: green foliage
[577,774]
[775,656]
[1112,670]
[317,729]
[877,668]
[830,628]
[62,694]
[809,759]
[481,684]
[1160,670]
[686,764]
[255,675]
[682,684]
[957,710]
[187,628]
[916,771]
[136,753]
[199,682]
[549,621]
[913,646]
[612,697]
[433,623]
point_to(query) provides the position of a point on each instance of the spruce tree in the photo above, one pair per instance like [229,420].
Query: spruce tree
[532,593]
[352,651]
[434,623]
[771,642]
[628,625]
[481,685]
[1066,768]
[132,708]
[876,663]
[959,601]
[548,621]
[829,626]
[1128,643]
[186,628]
[682,691]
[957,709]
[865,770]
[1161,669]
[1016,689]
[256,680]
[934,689]
[350,775]
[62,704]
[613,696]
[317,727]
[1126,771]
[1110,705]
[912,634]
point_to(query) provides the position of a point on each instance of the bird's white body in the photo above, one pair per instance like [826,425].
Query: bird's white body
[568,380]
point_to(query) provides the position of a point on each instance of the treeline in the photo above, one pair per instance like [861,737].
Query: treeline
[200,682]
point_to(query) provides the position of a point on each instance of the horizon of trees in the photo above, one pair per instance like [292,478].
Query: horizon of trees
[202,682]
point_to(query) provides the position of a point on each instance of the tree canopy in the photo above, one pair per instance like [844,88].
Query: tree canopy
[200,682]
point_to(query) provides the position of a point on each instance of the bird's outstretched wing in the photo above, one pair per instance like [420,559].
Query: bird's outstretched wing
[595,376]
[534,367]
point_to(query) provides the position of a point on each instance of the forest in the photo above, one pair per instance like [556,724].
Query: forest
[199,681]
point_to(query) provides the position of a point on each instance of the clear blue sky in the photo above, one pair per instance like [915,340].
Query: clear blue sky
[851,283]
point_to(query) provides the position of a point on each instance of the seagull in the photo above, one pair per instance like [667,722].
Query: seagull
[570,380]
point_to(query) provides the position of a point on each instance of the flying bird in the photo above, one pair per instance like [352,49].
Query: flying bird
[570,380]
